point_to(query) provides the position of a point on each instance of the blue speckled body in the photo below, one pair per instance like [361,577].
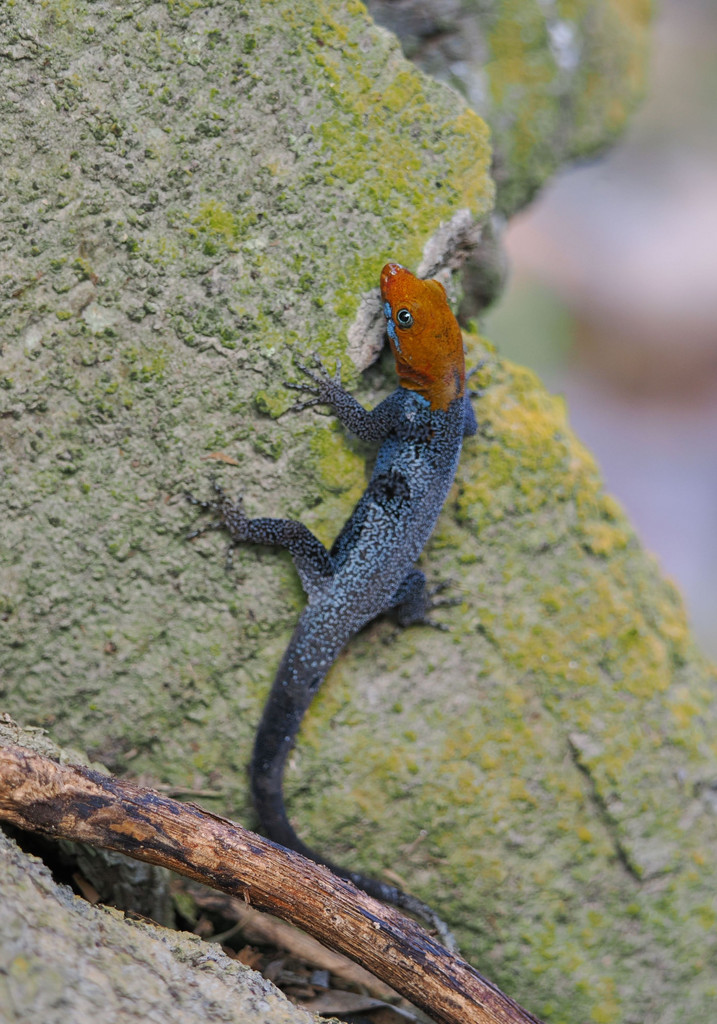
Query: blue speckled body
[393,520]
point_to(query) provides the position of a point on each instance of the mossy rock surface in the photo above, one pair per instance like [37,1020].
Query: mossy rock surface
[181,219]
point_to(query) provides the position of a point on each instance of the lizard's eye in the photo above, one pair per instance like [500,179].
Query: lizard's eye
[403,318]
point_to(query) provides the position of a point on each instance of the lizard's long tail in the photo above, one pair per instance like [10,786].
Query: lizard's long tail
[295,686]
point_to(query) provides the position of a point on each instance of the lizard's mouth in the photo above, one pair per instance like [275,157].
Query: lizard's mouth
[389,271]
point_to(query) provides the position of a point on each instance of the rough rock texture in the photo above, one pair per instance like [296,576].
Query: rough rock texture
[554,79]
[192,192]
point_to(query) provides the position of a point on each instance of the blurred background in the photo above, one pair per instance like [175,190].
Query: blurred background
[612,299]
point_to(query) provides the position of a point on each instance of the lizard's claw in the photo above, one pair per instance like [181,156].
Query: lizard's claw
[300,406]
[215,506]
[420,602]
[436,602]
[434,624]
[324,373]
[323,386]
[441,602]
[229,515]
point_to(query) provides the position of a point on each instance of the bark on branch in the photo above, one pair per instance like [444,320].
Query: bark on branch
[73,802]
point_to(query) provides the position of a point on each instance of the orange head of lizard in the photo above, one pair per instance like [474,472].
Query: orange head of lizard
[424,334]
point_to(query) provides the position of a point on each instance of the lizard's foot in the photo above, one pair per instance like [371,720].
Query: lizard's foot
[417,612]
[206,506]
[219,506]
[323,387]
[228,515]
[414,601]
[441,602]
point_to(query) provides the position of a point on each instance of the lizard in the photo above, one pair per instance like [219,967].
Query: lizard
[370,568]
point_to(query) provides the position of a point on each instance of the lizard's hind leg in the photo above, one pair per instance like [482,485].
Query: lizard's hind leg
[414,600]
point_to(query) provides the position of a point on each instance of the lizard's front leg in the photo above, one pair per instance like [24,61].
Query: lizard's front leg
[369,425]
[313,562]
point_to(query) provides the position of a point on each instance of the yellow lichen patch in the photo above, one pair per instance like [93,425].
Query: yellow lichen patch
[338,468]
[645,663]
[215,218]
[462,778]
[522,409]
[518,791]
[470,183]
[374,126]
[608,1009]
[515,699]
[488,758]
[673,620]
[405,91]
[683,706]
[603,538]
[707,916]
[529,447]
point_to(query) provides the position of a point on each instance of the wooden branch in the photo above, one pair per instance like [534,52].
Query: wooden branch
[73,802]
